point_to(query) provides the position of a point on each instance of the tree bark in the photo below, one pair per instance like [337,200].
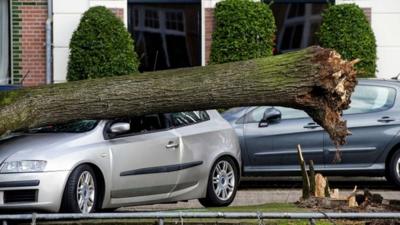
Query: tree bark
[315,80]
[312,177]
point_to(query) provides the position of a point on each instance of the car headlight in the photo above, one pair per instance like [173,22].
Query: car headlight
[23,166]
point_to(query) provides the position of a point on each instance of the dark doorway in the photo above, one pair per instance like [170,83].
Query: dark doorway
[167,35]
[297,23]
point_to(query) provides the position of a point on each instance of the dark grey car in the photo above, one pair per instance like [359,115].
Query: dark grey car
[269,135]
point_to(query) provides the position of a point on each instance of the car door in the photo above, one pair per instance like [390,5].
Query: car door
[194,129]
[144,161]
[274,147]
[370,121]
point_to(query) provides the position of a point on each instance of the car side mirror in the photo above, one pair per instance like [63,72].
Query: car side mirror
[271,115]
[120,127]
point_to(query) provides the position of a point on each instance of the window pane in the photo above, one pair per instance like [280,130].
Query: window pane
[142,124]
[154,57]
[136,17]
[290,113]
[151,123]
[186,118]
[177,51]
[174,20]
[151,19]
[296,10]
[292,37]
[367,99]
[298,35]
[256,115]
[317,8]
[287,36]
[312,37]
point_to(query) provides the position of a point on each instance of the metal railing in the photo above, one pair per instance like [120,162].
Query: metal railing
[161,216]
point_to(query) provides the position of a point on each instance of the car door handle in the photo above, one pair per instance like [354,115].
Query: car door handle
[311,125]
[386,119]
[171,145]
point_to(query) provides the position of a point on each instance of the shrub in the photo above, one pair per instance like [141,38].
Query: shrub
[346,29]
[101,46]
[244,30]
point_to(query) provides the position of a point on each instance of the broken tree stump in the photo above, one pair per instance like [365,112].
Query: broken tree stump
[352,198]
[304,174]
[327,188]
[320,186]
[312,177]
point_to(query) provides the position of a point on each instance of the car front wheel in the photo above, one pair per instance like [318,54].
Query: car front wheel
[80,194]
[222,183]
[394,168]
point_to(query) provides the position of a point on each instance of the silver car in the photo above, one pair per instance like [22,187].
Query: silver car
[90,165]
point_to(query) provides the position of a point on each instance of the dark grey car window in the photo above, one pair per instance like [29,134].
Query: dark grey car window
[367,99]
[256,115]
[142,124]
[186,118]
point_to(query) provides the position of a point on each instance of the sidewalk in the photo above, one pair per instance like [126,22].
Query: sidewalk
[256,197]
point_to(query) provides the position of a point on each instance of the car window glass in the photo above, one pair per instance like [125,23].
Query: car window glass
[232,111]
[290,113]
[186,118]
[366,99]
[144,124]
[257,114]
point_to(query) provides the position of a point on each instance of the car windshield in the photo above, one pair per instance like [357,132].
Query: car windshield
[232,111]
[79,126]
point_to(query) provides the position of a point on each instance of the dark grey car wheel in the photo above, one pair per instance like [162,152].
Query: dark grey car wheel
[80,195]
[394,168]
[222,183]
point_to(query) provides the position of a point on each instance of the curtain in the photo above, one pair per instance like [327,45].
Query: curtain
[4,42]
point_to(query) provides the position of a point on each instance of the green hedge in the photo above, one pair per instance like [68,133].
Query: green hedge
[244,30]
[101,46]
[346,29]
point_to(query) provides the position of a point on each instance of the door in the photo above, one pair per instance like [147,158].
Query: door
[370,120]
[197,140]
[144,161]
[274,147]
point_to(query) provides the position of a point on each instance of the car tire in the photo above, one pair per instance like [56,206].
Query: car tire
[394,168]
[80,194]
[222,183]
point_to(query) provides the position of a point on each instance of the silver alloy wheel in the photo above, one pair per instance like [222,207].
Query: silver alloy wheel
[85,192]
[398,167]
[223,180]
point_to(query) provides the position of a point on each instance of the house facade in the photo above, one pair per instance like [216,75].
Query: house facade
[35,34]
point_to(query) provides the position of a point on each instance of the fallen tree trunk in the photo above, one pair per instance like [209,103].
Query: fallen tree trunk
[315,80]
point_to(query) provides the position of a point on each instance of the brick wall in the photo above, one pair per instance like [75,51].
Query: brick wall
[209,28]
[367,12]
[28,41]
[118,12]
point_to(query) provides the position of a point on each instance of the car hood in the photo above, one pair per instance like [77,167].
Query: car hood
[35,143]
